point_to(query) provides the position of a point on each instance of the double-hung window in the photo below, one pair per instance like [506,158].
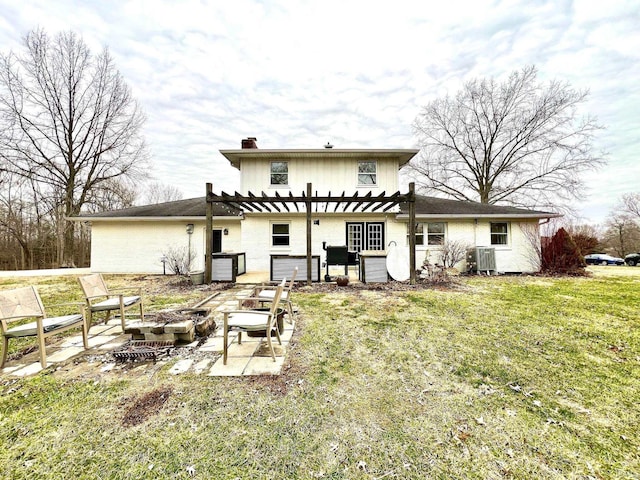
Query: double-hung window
[280,234]
[499,233]
[367,173]
[279,173]
[432,233]
[435,233]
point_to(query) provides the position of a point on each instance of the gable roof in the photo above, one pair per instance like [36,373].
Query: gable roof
[434,207]
[178,209]
[236,156]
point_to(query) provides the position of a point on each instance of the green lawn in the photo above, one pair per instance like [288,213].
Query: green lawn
[502,377]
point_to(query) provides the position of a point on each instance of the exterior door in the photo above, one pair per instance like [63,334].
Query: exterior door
[355,237]
[365,236]
[375,236]
[217,241]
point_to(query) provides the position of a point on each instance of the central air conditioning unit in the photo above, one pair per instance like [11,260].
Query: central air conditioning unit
[481,259]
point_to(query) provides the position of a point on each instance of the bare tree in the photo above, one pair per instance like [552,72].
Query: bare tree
[14,210]
[631,205]
[622,235]
[157,192]
[519,142]
[71,122]
[586,237]
[25,223]
[113,194]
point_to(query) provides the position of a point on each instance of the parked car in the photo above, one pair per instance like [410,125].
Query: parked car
[632,259]
[602,259]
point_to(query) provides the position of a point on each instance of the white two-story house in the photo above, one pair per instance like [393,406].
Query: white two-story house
[257,228]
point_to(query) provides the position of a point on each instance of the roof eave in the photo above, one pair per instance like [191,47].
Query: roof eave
[236,155]
[471,216]
[194,218]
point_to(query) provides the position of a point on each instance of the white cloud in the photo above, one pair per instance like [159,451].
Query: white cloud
[303,73]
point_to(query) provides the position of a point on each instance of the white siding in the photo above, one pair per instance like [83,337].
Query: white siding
[519,255]
[256,235]
[137,247]
[326,175]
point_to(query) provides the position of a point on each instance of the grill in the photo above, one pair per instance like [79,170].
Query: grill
[339,255]
[142,350]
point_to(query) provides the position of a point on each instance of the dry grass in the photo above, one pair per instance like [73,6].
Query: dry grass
[498,378]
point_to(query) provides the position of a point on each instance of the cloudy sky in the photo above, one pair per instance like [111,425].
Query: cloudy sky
[299,74]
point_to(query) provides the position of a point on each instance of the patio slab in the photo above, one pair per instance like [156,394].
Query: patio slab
[181,366]
[252,357]
[64,354]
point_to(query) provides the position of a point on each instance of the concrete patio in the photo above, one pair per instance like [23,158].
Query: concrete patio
[252,357]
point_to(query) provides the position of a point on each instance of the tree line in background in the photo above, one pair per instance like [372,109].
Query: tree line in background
[618,236]
[70,141]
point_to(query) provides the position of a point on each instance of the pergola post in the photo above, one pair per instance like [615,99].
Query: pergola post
[262,203]
[208,249]
[308,209]
[412,233]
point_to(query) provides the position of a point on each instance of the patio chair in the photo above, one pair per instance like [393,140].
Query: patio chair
[25,303]
[266,293]
[253,321]
[100,299]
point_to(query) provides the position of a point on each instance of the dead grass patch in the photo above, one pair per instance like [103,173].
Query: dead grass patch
[145,406]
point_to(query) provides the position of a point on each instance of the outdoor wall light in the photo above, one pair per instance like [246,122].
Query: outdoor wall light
[316,221]
[189,228]
[225,231]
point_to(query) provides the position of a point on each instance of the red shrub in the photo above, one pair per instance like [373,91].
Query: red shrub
[562,256]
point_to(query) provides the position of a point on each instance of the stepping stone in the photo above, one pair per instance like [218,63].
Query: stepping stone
[201,366]
[181,366]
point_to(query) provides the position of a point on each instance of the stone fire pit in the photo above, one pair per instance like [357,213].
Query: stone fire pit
[177,326]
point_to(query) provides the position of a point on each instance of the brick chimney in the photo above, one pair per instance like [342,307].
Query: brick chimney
[249,142]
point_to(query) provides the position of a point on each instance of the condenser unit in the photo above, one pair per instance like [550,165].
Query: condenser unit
[481,259]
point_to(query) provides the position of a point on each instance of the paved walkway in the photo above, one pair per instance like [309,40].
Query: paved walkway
[252,357]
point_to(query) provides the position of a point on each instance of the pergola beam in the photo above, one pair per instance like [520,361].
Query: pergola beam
[264,202]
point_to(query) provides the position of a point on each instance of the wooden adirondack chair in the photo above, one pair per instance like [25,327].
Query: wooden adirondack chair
[100,299]
[25,303]
[253,321]
[267,293]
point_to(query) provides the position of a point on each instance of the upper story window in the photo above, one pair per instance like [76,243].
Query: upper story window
[499,233]
[432,233]
[279,173]
[367,173]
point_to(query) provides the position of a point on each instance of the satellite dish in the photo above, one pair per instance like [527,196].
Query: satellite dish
[398,263]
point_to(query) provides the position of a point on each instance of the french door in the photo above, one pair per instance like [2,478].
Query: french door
[365,236]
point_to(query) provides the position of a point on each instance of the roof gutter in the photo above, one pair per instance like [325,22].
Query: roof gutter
[405,216]
[152,219]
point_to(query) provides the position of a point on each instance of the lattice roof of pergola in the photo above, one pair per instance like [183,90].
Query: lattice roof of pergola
[319,203]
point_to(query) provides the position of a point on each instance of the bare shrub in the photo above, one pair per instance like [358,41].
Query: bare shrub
[533,254]
[178,259]
[453,252]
